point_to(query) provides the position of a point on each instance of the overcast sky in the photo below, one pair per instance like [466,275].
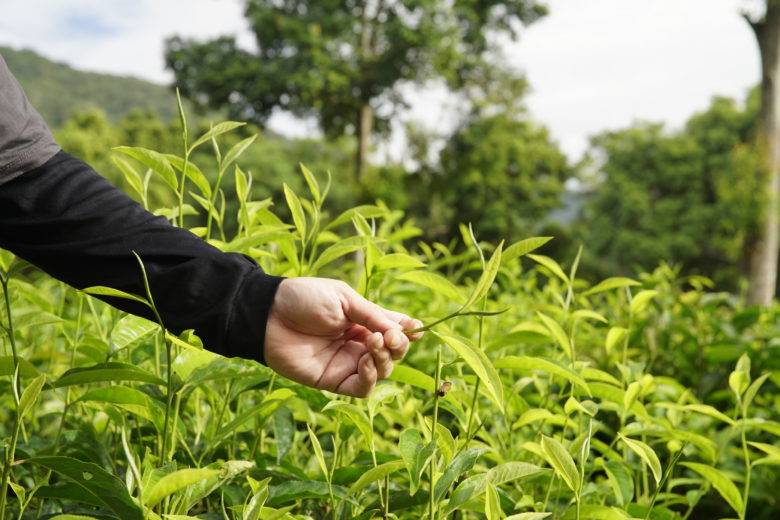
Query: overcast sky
[592,64]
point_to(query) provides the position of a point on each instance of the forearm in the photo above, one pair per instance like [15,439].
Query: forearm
[73,224]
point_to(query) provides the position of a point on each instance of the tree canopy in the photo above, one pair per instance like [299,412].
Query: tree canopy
[691,196]
[342,61]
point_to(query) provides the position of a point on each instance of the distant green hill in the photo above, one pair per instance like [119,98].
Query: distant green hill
[57,90]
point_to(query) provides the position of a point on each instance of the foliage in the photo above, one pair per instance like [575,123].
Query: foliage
[501,173]
[690,197]
[57,90]
[647,398]
[334,59]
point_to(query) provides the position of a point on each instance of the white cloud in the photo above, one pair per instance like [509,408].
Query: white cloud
[605,63]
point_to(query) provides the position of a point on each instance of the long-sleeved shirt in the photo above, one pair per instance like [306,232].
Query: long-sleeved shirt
[59,214]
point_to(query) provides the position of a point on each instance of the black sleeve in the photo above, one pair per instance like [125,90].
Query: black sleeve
[73,224]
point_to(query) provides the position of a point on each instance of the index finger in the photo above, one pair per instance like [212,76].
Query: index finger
[363,312]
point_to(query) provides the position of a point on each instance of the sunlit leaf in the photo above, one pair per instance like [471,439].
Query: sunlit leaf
[551,265]
[615,282]
[646,453]
[480,364]
[433,281]
[530,364]
[562,462]
[523,247]
[214,131]
[175,481]
[100,486]
[156,161]
[724,485]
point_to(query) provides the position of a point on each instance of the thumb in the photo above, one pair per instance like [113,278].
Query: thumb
[363,312]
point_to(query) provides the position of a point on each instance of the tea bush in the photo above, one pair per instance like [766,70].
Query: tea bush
[534,394]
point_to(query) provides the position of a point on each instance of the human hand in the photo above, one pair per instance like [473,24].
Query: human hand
[323,334]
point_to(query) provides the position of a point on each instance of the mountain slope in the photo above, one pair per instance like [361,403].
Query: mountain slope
[57,90]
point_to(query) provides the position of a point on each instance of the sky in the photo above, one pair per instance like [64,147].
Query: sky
[593,65]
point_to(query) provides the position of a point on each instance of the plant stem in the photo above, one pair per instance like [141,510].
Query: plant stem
[748,468]
[432,467]
[9,458]
[10,450]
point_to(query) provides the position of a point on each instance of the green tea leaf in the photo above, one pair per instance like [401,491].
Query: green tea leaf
[100,486]
[237,149]
[703,409]
[492,503]
[770,449]
[130,399]
[588,314]
[311,180]
[30,395]
[551,265]
[114,293]
[523,247]
[155,161]
[620,480]
[434,282]
[337,250]
[294,203]
[411,376]
[218,129]
[374,474]
[615,282]
[262,411]
[629,398]
[254,509]
[107,372]
[615,337]
[460,465]
[597,512]
[558,333]
[473,487]
[641,300]
[739,379]
[357,416]
[175,481]
[720,482]
[486,279]
[381,394]
[293,490]
[398,261]
[415,454]
[752,390]
[193,173]
[315,444]
[131,329]
[479,363]
[26,369]
[646,453]
[132,177]
[530,364]
[367,211]
[561,462]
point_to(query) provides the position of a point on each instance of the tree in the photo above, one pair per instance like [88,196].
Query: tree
[689,197]
[343,61]
[764,254]
[498,170]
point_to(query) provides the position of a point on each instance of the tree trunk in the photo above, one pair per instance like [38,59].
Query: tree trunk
[365,116]
[764,255]
[365,129]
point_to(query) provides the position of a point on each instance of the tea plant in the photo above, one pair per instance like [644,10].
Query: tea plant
[533,394]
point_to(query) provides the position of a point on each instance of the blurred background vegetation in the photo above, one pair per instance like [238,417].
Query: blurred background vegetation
[644,194]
